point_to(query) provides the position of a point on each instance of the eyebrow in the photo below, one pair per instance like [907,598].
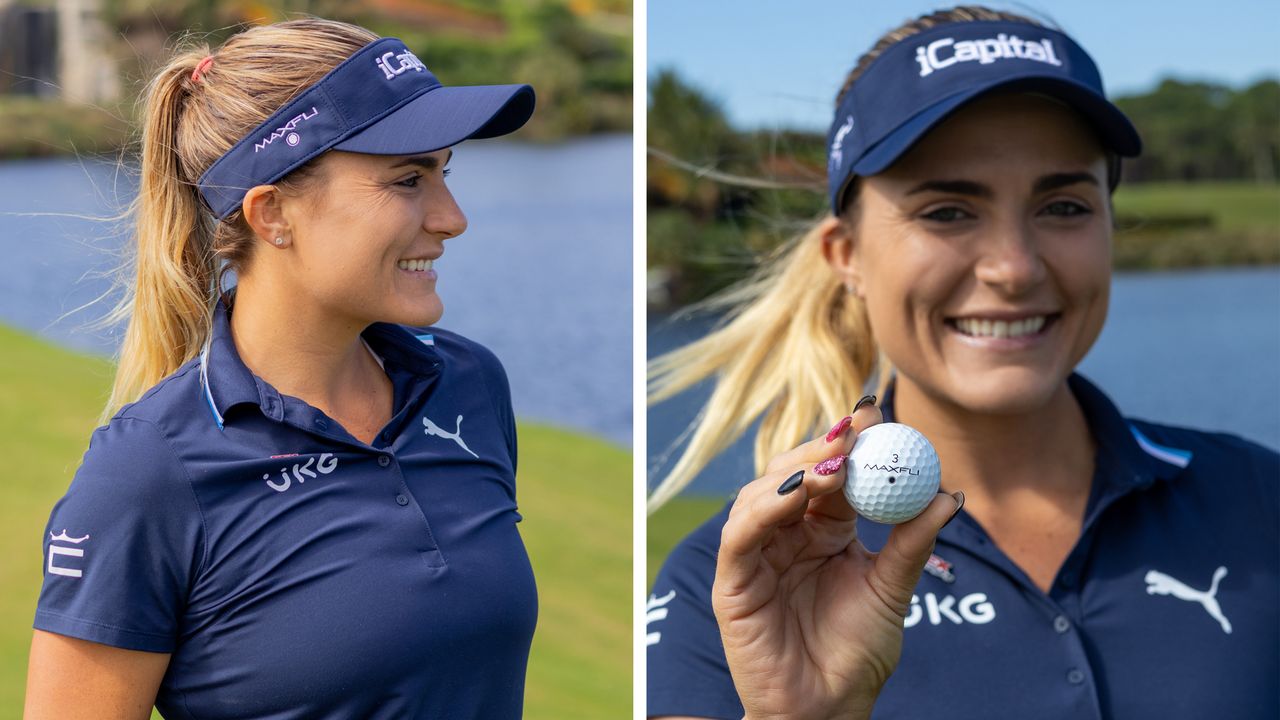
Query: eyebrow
[1060,180]
[953,187]
[1043,184]
[428,162]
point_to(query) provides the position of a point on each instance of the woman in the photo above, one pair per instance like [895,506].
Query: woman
[1092,571]
[311,511]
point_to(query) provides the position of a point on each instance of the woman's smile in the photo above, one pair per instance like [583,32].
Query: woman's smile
[418,267]
[1003,331]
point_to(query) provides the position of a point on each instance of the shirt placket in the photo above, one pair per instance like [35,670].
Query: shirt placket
[382,455]
[1060,611]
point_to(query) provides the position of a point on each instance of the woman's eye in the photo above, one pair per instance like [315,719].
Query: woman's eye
[1065,208]
[947,214]
[410,182]
[447,172]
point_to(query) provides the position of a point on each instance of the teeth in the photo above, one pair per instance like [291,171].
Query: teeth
[1001,328]
[418,264]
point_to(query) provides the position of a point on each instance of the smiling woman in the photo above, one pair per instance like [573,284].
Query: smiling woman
[986,268]
[400,209]
[302,502]
[963,272]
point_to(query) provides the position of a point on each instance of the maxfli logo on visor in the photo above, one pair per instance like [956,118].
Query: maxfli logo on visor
[945,52]
[287,131]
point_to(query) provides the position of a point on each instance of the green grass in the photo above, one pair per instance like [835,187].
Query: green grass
[575,496]
[672,522]
[1179,225]
[1233,206]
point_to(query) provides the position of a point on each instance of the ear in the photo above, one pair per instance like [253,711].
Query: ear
[839,248]
[264,213]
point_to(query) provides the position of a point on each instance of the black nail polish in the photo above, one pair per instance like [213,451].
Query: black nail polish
[789,485]
[866,400]
[959,497]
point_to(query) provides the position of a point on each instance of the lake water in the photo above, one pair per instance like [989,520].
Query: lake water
[542,276]
[1199,349]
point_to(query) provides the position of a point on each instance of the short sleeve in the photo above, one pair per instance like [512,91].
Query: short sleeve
[687,670]
[495,377]
[122,547]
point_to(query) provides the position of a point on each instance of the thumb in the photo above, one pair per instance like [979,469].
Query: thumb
[904,555]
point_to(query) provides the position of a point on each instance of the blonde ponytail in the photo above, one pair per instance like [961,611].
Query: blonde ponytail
[168,303]
[795,347]
[174,274]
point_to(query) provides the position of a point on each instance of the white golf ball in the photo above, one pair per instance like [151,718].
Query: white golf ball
[892,473]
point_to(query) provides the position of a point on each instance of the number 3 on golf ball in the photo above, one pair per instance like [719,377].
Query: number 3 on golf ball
[892,473]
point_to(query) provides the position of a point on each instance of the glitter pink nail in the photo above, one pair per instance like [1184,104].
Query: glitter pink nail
[839,428]
[831,465]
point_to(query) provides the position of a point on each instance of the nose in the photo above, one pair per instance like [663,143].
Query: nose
[1011,260]
[443,218]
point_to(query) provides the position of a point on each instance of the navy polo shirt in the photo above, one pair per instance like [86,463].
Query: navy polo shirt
[1166,607]
[292,570]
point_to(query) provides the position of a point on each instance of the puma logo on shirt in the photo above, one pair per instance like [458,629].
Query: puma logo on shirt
[456,435]
[1160,584]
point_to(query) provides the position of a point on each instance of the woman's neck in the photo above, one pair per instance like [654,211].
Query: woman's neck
[1047,451]
[303,351]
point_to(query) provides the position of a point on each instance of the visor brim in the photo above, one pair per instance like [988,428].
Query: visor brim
[444,117]
[1113,128]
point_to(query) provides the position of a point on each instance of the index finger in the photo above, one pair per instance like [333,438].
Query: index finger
[864,415]
[833,504]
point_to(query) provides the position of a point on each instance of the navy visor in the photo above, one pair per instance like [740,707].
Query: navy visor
[383,101]
[919,81]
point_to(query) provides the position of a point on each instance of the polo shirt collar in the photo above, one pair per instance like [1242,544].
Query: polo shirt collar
[227,382]
[225,379]
[1132,460]
[1139,462]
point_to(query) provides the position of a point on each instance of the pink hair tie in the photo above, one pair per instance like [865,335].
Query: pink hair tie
[201,67]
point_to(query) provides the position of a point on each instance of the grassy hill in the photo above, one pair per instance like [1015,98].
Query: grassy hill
[672,522]
[575,496]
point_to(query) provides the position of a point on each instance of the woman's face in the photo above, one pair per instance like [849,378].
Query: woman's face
[365,236]
[984,254]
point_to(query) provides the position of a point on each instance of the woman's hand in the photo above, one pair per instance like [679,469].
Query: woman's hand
[811,621]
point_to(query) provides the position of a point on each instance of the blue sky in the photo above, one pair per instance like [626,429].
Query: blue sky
[778,63]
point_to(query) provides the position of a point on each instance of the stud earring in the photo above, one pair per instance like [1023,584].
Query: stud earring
[279,241]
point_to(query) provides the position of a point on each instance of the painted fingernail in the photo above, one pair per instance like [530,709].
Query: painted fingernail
[839,428]
[790,484]
[831,465]
[866,400]
[959,496]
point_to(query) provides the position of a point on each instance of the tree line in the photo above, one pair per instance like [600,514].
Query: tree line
[721,198]
[1191,131]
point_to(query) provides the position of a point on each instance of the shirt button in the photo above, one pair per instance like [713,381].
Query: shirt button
[383,460]
[1061,624]
[1074,676]
[402,500]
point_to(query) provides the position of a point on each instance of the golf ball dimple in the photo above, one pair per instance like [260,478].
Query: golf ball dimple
[892,474]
